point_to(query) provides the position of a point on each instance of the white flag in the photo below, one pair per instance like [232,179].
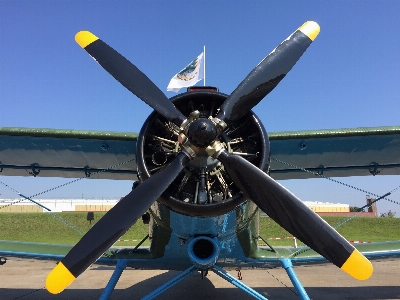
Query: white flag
[189,76]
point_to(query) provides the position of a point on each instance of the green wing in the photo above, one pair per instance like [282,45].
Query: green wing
[67,153]
[335,153]
[78,153]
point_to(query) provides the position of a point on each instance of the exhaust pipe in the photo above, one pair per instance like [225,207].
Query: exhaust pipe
[203,251]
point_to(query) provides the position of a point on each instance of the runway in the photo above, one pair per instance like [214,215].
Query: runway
[24,279]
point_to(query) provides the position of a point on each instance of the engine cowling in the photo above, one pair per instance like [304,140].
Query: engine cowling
[203,189]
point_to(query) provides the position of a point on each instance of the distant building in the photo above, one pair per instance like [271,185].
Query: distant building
[338,209]
[342,210]
[372,208]
[58,205]
[327,207]
[97,205]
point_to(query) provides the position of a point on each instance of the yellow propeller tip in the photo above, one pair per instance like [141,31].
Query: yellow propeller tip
[58,279]
[84,38]
[358,266]
[310,29]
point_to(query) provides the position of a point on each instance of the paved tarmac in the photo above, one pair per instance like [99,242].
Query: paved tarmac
[24,279]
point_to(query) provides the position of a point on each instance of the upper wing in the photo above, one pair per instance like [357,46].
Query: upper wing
[67,153]
[335,153]
[78,153]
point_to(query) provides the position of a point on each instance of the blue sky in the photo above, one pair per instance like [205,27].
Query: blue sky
[347,78]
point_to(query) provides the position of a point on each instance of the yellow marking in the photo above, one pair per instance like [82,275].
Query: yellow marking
[58,279]
[310,29]
[358,266]
[84,38]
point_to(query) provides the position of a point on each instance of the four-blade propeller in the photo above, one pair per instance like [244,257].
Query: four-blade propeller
[280,204]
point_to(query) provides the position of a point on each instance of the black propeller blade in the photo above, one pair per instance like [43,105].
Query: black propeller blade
[129,76]
[112,226]
[266,76]
[294,216]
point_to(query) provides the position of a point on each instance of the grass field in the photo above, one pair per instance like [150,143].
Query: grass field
[45,228]
[357,229]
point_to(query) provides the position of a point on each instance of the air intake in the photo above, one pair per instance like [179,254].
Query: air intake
[203,251]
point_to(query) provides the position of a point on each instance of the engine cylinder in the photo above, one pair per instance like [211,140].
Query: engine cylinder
[203,189]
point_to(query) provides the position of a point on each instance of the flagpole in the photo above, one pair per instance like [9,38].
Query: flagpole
[204,70]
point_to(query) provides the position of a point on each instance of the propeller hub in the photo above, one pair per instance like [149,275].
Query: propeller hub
[202,132]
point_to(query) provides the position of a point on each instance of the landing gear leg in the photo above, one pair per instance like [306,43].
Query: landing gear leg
[170,283]
[288,266]
[217,270]
[236,282]
[121,265]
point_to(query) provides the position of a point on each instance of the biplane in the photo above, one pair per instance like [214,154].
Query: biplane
[204,166]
